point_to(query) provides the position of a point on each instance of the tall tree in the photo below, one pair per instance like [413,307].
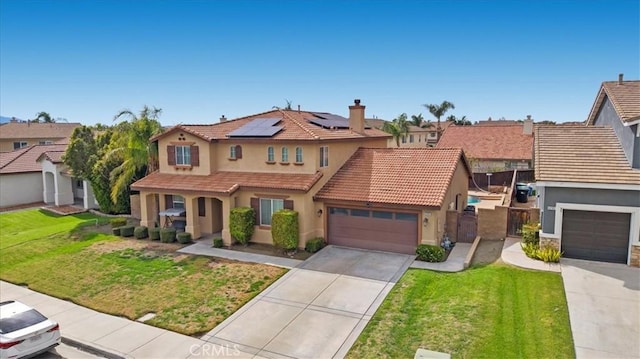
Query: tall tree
[82,153]
[43,117]
[418,121]
[397,128]
[132,144]
[438,111]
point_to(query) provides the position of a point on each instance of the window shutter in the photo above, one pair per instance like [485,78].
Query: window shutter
[288,204]
[202,212]
[171,155]
[195,156]
[168,201]
[238,151]
[255,204]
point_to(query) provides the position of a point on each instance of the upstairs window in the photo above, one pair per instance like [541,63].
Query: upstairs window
[410,138]
[299,154]
[285,154]
[404,139]
[45,142]
[183,155]
[270,154]
[324,156]
[232,152]
[19,144]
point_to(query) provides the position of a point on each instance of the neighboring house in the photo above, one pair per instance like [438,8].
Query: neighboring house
[281,159]
[417,136]
[493,148]
[617,105]
[36,174]
[15,135]
[589,195]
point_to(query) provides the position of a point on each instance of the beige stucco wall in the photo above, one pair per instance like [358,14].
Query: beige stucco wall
[254,157]
[7,145]
[20,188]
[459,186]
[204,153]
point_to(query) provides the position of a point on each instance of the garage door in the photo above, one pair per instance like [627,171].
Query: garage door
[369,229]
[598,236]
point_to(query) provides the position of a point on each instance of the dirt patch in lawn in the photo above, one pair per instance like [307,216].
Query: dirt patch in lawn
[147,246]
[269,250]
[488,251]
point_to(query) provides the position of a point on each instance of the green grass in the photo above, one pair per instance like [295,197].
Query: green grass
[67,257]
[493,311]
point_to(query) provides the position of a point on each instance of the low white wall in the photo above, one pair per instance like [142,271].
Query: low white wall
[20,188]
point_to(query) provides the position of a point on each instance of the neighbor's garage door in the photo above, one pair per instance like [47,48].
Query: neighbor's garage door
[598,236]
[378,230]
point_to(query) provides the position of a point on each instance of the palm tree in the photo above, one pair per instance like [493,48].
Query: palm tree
[438,111]
[397,128]
[139,155]
[459,121]
[417,120]
[44,116]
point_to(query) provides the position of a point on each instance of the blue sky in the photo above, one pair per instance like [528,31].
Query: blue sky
[198,60]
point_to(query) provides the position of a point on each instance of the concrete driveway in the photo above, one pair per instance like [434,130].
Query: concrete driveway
[604,308]
[316,310]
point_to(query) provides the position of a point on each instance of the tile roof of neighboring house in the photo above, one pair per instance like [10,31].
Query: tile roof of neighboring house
[404,176]
[581,154]
[25,130]
[52,156]
[294,123]
[625,98]
[26,159]
[226,182]
[489,142]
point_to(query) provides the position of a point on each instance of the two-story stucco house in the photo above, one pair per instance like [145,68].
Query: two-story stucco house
[588,179]
[283,158]
[16,135]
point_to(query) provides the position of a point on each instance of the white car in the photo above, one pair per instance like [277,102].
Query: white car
[24,332]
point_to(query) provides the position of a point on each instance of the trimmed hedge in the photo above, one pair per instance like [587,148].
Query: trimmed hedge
[127,231]
[116,231]
[141,232]
[315,244]
[168,235]
[531,233]
[284,229]
[217,242]
[242,223]
[430,253]
[184,237]
[154,233]
[118,222]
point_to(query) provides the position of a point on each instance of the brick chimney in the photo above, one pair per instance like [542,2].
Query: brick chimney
[527,128]
[223,119]
[356,117]
[14,120]
[620,78]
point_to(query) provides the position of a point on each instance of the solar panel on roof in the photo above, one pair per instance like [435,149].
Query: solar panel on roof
[259,127]
[329,120]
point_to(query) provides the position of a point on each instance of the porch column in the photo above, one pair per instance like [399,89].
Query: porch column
[147,209]
[89,198]
[49,187]
[193,224]
[226,212]
[64,189]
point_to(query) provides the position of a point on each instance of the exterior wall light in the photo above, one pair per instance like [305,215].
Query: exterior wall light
[319,212]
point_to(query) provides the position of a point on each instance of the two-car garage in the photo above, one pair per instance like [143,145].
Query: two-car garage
[373,229]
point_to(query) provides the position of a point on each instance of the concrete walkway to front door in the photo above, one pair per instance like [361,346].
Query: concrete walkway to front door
[316,310]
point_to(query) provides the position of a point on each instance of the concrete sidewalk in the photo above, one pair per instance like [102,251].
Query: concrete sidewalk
[204,248]
[116,337]
[512,253]
[454,263]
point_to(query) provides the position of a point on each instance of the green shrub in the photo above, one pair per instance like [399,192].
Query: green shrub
[184,237]
[241,224]
[141,232]
[530,233]
[546,254]
[217,242]
[315,244]
[284,229]
[116,231]
[530,249]
[154,233]
[118,222]
[168,235]
[430,253]
[127,231]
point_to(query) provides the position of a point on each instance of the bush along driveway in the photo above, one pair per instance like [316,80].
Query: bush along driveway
[493,311]
[70,258]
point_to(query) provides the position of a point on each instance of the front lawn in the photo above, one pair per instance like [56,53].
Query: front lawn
[67,257]
[493,311]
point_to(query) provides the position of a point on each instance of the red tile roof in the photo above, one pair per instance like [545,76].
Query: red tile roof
[52,156]
[225,182]
[25,130]
[624,97]
[405,176]
[489,142]
[294,123]
[26,159]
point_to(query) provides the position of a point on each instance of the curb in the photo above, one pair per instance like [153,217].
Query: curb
[93,349]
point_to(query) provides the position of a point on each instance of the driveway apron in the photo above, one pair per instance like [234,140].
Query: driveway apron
[317,309]
[604,308]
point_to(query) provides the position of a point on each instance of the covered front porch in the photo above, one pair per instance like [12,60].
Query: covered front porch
[196,214]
